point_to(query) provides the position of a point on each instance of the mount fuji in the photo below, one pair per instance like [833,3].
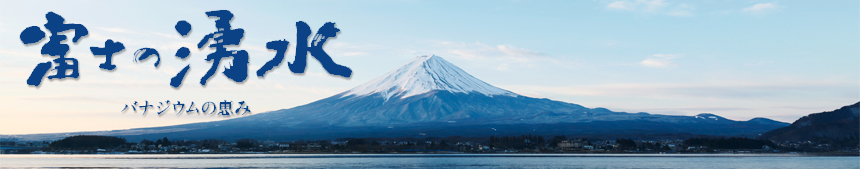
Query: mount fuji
[431,97]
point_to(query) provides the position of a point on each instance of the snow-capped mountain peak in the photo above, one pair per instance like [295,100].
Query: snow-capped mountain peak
[424,74]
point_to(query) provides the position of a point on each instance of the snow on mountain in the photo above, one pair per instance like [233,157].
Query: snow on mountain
[424,74]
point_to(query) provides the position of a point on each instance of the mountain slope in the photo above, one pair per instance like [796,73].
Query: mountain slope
[432,97]
[424,74]
[833,125]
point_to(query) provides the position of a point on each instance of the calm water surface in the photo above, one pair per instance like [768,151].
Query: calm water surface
[433,161]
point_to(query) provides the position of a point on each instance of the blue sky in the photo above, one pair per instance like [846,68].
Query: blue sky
[738,59]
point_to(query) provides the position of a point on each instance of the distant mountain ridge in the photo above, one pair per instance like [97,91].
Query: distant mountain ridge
[431,97]
[832,125]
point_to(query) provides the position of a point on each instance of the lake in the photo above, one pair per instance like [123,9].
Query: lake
[776,161]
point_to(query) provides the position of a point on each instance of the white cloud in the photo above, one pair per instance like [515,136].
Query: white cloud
[620,5]
[652,6]
[760,8]
[681,10]
[679,13]
[503,67]
[117,30]
[479,50]
[511,50]
[499,57]
[653,62]
[660,60]
[724,90]
[759,63]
